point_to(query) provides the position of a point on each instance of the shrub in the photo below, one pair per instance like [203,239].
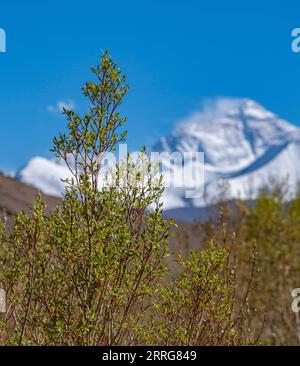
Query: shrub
[270,225]
[93,272]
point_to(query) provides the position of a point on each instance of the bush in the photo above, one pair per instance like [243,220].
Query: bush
[270,225]
[93,272]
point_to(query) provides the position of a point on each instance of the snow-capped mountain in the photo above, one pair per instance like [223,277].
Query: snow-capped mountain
[244,146]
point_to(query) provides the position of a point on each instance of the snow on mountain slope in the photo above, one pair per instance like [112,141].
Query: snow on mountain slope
[284,166]
[244,146]
[45,175]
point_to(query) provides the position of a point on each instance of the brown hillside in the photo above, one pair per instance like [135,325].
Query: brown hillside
[16,196]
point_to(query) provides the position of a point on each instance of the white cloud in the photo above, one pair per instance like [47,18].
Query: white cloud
[60,105]
[210,109]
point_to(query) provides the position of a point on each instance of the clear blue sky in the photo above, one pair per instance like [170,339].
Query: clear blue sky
[175,54]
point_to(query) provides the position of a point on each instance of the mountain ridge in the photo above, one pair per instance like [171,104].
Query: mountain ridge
[244,145]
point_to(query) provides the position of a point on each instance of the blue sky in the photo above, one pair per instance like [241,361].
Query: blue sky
[175,54]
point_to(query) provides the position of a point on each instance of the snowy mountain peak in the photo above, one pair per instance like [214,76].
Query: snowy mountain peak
[244,146]
[231,132]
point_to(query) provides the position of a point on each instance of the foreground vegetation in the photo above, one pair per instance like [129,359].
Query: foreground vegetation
[96,270]
[269,228]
